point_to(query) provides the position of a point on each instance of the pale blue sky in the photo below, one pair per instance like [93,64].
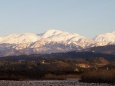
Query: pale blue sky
[85,17]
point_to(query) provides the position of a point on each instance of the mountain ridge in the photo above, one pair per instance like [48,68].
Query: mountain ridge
[51,41]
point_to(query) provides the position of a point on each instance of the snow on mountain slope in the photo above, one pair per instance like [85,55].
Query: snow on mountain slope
[19,38]
[50,33]
[105,39]
[51,41]
[65,38]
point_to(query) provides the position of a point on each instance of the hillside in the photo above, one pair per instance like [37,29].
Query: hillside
[108,49]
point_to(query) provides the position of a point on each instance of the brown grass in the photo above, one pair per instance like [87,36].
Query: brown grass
[99,76]
[59,77]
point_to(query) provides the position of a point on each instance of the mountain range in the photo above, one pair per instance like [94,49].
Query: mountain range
[51,41]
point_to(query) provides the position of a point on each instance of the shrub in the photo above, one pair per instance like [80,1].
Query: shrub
[100,76]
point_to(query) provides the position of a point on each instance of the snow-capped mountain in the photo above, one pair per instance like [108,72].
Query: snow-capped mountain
[105,39]
[51,41]
[19,38]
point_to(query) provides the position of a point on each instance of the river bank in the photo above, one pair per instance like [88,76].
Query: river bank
[50,83]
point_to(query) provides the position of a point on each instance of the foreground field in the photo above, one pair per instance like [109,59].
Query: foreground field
[50,83]
[91,70]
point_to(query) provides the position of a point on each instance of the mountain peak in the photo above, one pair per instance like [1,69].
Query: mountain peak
[19,38]
[105,39]
[51,32]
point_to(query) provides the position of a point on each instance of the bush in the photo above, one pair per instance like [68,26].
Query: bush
[100,76]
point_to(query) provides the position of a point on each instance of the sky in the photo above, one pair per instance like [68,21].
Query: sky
[85,17]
